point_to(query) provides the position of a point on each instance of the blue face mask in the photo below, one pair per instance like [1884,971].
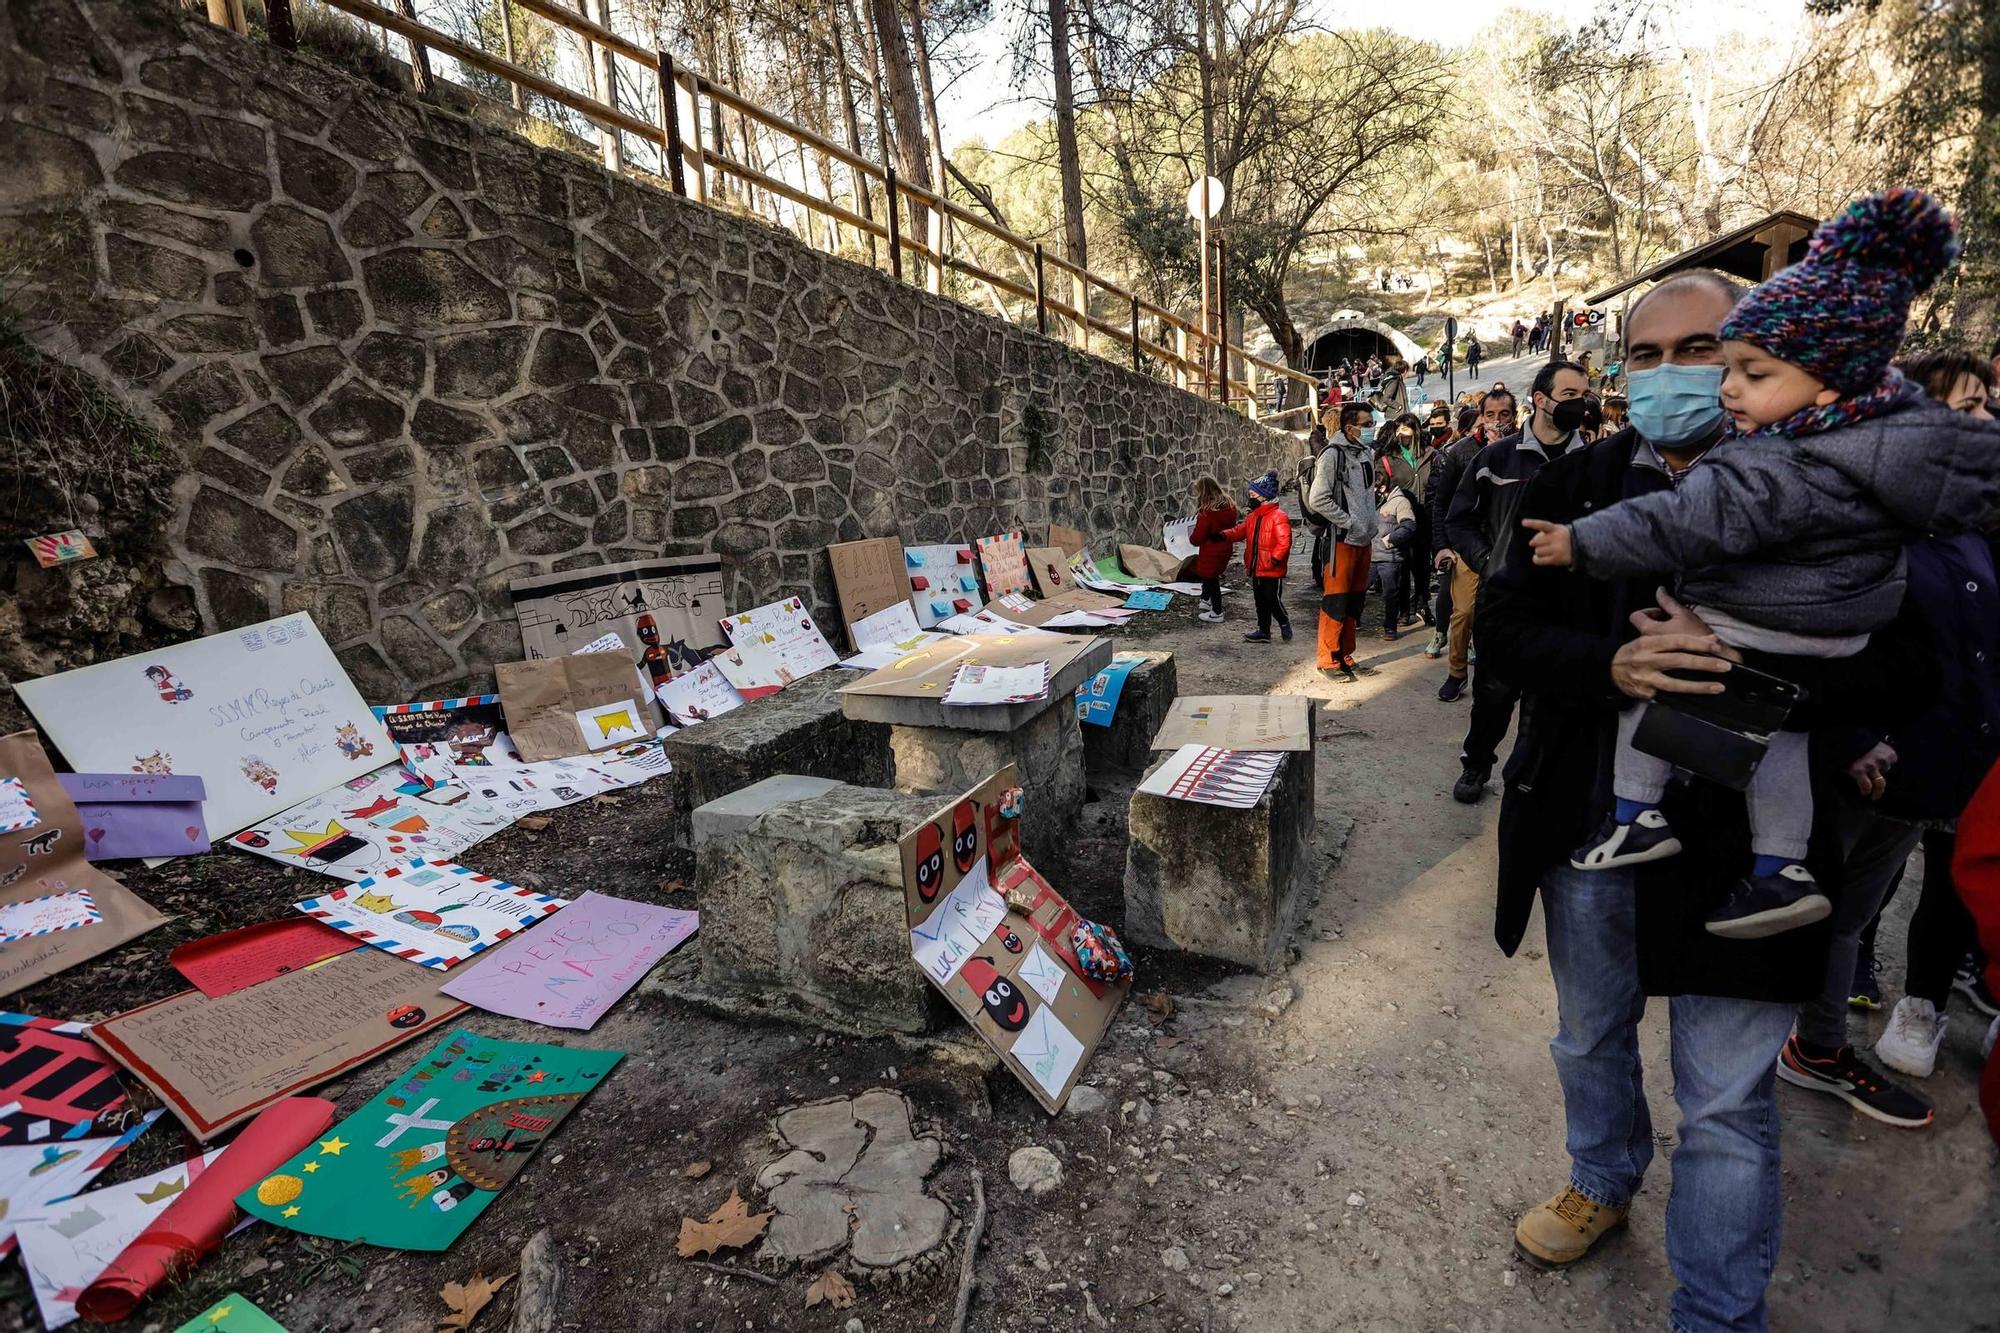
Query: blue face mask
[1672,404]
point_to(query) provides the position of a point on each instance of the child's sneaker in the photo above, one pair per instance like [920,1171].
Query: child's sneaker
[1768,904]
[1286,630]
[1910,1043]
[1866,992]
[1647,838]
[1257,636]
[1970,982]
[1209,617]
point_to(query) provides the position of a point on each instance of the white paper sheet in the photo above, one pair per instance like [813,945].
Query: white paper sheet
[888,625]
[367,824]
[878,655]
[698,695]
[47,914]
[959,925]
[523,789]
[771,647]
[1042,972]
[1047,1050]
[1176,537]
[1210,776]
[974,684]
[604,643]
[34,1175]
[264,715]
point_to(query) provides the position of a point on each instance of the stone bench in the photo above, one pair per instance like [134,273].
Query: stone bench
[800,730]
[1218,881]
[801,891]
[1127,744]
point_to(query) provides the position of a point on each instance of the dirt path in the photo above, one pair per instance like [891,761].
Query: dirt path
[1350,1158]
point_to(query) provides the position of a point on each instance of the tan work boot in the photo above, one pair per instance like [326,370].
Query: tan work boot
[1563,1230]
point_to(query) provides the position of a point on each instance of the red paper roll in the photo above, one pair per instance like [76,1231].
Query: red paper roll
[194,1224]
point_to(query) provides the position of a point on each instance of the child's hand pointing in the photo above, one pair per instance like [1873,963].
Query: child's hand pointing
[1550,543]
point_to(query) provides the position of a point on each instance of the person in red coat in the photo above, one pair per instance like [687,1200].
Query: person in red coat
[1266,535]
[1214,515]
[1975,868]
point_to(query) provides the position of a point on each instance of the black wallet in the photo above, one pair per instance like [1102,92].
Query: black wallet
[1720,737]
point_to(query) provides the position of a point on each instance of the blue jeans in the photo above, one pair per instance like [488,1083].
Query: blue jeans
[1723,1210]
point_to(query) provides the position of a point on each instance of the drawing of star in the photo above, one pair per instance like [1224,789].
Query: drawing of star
[332,1145]
[379,804]
[292,1211]
[222,1312]
[537,1076]
[310,1167]
[308,841]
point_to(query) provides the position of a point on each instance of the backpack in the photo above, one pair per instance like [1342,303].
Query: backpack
[1351,480]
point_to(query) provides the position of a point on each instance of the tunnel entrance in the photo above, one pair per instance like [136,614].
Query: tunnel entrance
[1356,343]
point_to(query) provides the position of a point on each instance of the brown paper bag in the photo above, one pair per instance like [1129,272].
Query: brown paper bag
[46,857]
[562,706]
[1145,562]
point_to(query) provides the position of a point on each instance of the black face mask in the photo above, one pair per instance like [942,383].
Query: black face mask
[1569,414]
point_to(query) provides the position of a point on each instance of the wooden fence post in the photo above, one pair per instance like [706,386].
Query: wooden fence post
[895,226]
[1137,363]
[670,118]
[1041,296]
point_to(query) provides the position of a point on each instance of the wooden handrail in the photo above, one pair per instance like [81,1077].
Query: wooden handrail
[612,119]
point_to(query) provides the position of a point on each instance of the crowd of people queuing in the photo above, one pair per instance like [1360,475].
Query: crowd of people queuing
[1748,614]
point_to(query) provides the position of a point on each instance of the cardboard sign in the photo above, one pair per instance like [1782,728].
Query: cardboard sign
[1150,599]
[944,582]
[868,578]
[772,647]
[1041,613]
[47,858]
[1238,722]
[217,1062]
[570,970]
[928,671]
[412,1169]
[1003,563]
[543,700]
[1050,568]
[137,814]
[264,715]
[1071,541]
[371,823]
[1011,974]
[1143,562]
[663,611]
[433,735]
[435,914]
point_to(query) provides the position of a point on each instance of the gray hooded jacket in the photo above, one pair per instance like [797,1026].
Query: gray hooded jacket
[1806,535]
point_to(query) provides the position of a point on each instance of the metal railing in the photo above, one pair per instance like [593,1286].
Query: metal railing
[697,164]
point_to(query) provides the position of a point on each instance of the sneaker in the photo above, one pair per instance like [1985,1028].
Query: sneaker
[1846,1076]
[1411,619]
[1909,1045]
[1391,635]
[1209,617]
[1769,904]
[1471,784]
[1647,838]
[1971,983]
[1866,992]
[1286,630]
[1435,648]
[1453,687]
[1340,675]
[1563,1230]
[1257,636]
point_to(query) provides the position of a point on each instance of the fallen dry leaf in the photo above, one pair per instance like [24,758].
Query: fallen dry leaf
[832,1288]
[1158,1002]
[467,1299]
[729,1227]
[533,823]
[668,885]
[696,1170]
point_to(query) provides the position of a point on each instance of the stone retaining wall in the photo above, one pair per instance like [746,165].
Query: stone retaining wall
[409,357]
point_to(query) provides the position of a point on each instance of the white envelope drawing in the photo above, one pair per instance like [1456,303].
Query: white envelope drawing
[1043,974]
[1048,1051]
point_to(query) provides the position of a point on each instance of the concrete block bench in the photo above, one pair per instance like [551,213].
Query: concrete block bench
[1217,881]
[801,894]
[1127,744]
[800,730]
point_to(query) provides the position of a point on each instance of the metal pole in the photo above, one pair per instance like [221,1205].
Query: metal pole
[1136,363]
[895,228]
[1041,302]
[278,21]
[670,117]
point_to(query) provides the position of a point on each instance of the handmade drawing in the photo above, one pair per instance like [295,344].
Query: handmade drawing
[33,1176]
[1097,701]
[698,695]
[546,702]
[1211,776]
[171,690]
[368,824]
[433,735]
[1238,722]
[60,548]
[274,718]
[137,814]
[868,580]
[1177,538]
[1003,562]
[1003,1003]
[413,1167]
[249,955]
[608,724]
[773,646]
[69,909]
[433,913]
[232,1314]
[41,844]
[17,808]
[676,601]
[1150,599]
[572,969]
[54,1081]
[944,582]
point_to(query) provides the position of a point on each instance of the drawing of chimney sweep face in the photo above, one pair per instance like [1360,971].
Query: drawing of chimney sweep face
[1005,1005]
[965,835]
[930,862]
[1009,940]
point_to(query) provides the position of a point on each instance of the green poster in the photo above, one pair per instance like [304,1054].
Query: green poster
[231,1314]
[412,1168]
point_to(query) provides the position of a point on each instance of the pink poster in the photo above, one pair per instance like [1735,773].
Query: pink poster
[574,966]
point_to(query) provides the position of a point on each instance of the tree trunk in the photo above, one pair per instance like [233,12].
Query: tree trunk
[507,42]
[851,115]
[607,77]
[1075,244]
[898,71]
[920,15]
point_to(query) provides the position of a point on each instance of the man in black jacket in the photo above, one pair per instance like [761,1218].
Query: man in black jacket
[1481,521]
[1582,649]
[1493,420]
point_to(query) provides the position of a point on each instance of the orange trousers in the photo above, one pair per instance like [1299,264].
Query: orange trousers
[1345,586]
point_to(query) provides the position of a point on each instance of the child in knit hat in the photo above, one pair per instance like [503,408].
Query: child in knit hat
[1789,534]
[1266,535]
